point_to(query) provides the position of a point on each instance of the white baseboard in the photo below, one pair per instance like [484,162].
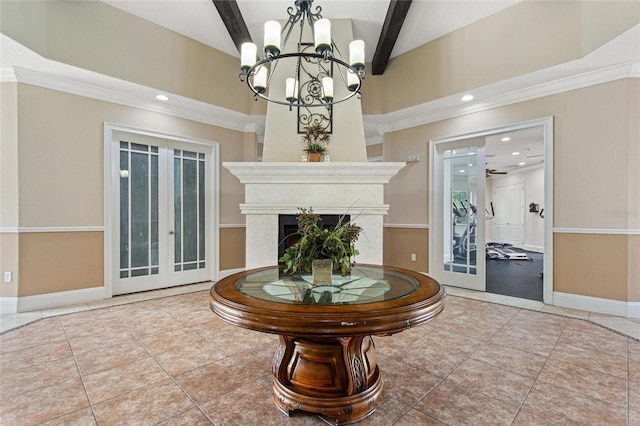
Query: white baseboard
[597,304]
[8,305]
[634,310]
[12,305]
[62,298]
[227,272]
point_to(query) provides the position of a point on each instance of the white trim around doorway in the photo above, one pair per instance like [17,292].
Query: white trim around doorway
[547,123]
[109,130]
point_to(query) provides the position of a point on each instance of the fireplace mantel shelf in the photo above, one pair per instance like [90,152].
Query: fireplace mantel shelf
[303,172]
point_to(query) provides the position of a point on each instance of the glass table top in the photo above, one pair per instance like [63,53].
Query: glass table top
[363,285]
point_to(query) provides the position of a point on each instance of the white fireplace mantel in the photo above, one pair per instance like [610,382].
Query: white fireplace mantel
[297,173]
[274,188]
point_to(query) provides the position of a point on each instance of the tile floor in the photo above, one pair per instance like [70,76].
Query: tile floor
[169,360]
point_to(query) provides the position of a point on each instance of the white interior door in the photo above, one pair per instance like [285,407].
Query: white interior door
[508,203]
[162,205]
[457,235]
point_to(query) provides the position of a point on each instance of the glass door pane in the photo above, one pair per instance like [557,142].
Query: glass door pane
[458,233]
[460,204]
[138,210]
[189,210]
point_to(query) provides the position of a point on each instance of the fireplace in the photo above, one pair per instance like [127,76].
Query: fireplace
[288,226]
[273,189]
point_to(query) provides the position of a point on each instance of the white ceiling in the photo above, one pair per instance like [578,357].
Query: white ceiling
[523,146]
[426,20]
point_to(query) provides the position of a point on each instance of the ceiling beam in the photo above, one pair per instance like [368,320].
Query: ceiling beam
[232,18]
[390,29]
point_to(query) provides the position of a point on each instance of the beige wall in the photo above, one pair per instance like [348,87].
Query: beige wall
[633,278]
[592,173]
[596,265]
[9,262]
[232,248]
[60,166]
[60,261]
[94,36]
[400,243]
[590,155]
[374,150]
[633,157]
[526,37]
[372,93]
[61,155]
[9,200]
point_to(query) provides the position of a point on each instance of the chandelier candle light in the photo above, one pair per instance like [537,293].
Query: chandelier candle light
[325,59]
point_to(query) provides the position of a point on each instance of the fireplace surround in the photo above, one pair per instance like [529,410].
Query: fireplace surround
[280,188]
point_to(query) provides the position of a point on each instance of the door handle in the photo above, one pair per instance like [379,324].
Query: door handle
[171,232]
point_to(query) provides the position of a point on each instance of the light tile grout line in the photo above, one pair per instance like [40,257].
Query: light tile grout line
[75,361]
[457,366]
[628,386]
[535,379]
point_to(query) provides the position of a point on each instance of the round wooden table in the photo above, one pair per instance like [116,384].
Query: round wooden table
[326,362]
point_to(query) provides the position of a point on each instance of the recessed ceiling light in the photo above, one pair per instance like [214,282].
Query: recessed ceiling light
[522,163]
[162,97]
[470,165]
[466,98]
[515,153]
[506,139]
[462,171]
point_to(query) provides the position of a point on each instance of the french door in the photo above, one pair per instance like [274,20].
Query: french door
[162,214]
[457,214]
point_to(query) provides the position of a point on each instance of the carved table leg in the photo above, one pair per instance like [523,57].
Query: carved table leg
[336,377]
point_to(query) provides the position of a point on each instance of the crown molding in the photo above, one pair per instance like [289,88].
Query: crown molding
[7,75]
[121,92]
[507,92]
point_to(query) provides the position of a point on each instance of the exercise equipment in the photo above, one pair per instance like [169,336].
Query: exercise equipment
[464,245]
[500,251]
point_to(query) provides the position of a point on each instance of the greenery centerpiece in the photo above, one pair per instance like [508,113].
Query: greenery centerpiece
[315,139]
[335,243]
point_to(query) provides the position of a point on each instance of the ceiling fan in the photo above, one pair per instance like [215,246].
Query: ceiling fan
[490,172]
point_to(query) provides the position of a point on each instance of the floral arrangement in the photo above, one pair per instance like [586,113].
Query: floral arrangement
[316,242]
[315,138]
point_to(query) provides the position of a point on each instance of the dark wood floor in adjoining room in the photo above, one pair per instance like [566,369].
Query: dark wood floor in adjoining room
[171,361]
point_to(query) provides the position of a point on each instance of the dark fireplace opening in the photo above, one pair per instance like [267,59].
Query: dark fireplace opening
[288,227]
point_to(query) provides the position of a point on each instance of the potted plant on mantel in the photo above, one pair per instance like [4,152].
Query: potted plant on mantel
[315,139]
[335,247]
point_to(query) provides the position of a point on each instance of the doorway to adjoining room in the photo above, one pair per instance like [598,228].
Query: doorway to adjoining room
[514,245]
[491,207]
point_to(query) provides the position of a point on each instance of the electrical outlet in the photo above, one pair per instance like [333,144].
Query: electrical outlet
[413,257]
[7,277]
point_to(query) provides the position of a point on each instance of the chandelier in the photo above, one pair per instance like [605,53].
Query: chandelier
[304,77]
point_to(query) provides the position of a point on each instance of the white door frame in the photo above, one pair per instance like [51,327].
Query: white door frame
[547,123]
[111,180]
